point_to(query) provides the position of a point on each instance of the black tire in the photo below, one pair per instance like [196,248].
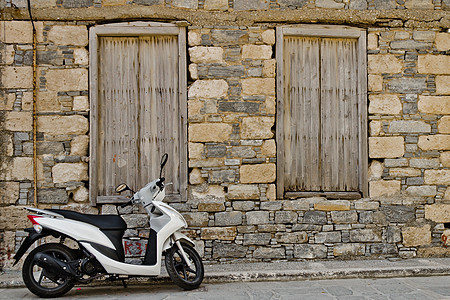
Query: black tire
[47,284]
[179,271]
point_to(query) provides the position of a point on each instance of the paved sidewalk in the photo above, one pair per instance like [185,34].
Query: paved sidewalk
[305,270]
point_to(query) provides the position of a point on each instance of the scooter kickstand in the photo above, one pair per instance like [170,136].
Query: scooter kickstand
[124,283]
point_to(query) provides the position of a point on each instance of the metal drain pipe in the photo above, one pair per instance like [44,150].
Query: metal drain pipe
[35,180]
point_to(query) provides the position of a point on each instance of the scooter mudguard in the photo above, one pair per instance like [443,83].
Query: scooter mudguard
[178,236]
[30,239]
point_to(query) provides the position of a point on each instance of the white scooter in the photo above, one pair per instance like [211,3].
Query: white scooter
[51,270]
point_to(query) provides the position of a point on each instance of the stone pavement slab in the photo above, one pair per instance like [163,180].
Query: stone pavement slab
[298,270]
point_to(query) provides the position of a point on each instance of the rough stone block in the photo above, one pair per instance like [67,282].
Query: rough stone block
[228,218]
[9,193]
[385,104]
[291,237]
[258,173]
[16,32]
[209,132]
[258,86]
[270,253]
[386,147]
[295,205]
[375,83]
[366,205]
[407,85]
[17,77]
[329,4]
[80,103]
[257,238]
[365,235]
[53,196]
[256,52]
[216,5]
[404,172]
[383,63]
[438,177]
[63,80]
[81,194]
[434,142]
[74,35]
[257,217]
[445,159]
[209,89]
[268,37]
[419,4]
[398,213]
[79,145]
[417,236]
[13,218]
[257,127]
[424,163]
[243,192]
[196,219]
[315,217]
[344,217]
[285,217]
[439,213]
[384,187]
[271,205]
[66,172]
[410,45]
[218,233]
[206,55]
[349,250]
[409,127]
[251,4]
[57,125]
[376,169]
[444,125]
[442,41]
[331,205]
[442,86]
[239,106]
[310,251]
[434,64]
[439,105]
[327,237]
[422,191]
[18,121]
[47,101]
[221,250]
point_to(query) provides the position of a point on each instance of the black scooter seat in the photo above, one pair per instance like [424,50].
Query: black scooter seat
[104,222]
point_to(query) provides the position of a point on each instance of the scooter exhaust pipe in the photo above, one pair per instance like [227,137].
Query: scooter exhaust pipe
[53,265]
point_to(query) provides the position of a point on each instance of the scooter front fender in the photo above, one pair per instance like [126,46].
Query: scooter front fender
[177,236]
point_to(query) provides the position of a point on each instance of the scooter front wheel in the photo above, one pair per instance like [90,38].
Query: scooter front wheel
[186,277]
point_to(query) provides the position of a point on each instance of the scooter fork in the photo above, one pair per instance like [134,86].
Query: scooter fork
[188,262]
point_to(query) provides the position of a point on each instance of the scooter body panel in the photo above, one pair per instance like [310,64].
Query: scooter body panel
[79,231]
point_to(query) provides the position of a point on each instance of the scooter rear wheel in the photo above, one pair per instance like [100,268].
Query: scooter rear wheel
[46,283]
[179,271]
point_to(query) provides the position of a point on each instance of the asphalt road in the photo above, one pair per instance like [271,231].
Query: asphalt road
[420,288]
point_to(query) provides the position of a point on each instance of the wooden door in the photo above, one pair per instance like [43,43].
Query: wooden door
[139,114]
[320,124]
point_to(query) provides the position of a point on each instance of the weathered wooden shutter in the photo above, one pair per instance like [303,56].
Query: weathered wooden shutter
[140,114]
[321,113]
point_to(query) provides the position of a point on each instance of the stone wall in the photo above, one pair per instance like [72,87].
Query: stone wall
[232,208]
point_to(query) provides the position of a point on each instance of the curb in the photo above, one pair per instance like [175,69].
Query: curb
[14,280]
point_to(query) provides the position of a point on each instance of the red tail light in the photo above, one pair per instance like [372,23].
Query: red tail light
[33,219]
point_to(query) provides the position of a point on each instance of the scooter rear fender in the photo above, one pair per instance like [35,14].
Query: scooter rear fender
[31,238]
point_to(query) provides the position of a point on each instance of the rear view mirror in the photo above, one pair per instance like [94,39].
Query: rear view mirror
[122,187]
[164,160]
